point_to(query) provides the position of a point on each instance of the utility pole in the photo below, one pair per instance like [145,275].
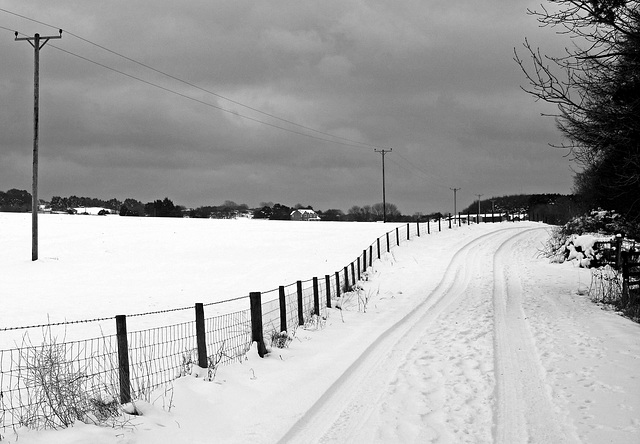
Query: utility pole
[384,199]
[455,209]
[37,42]
[479,196]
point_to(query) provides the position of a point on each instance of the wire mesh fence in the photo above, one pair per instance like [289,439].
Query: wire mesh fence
[159,355]
[228,337]
[271,319]
[54,382]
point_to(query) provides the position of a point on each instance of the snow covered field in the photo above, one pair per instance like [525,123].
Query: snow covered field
[468,336]
[101,266]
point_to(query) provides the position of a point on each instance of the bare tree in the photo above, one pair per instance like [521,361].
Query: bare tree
[377,211]
[596,87]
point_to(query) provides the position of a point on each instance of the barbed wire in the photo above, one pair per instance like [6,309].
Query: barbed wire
[226,300]
[168,310]
[57,324]
[147,313]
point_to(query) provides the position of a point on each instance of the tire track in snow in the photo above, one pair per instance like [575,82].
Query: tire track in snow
[524,409]
[343,412]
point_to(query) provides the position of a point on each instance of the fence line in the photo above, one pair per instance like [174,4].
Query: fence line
[130,365]
[619,283]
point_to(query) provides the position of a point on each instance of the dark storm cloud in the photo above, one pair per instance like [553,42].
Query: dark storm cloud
[435,80]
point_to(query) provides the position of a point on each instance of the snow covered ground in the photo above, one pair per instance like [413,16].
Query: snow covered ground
[101,266]
[467,336]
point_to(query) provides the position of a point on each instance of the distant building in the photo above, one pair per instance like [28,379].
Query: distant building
[473,217]
[303,214]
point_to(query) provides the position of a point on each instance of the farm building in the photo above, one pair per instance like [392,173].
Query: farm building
[303,214]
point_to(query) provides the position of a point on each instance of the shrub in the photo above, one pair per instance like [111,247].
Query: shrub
[280,339]
[599,221]
[58,388]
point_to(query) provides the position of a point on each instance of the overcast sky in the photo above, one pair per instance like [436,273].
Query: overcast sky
[433,79]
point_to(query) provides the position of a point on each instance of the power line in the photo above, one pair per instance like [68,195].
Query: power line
[7,29]
[226,110]
[413,169]
[427,175]
[273,116]
[349,142]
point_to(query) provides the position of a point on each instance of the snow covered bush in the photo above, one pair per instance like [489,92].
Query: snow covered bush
[582,250]
[598,221]
[577,239]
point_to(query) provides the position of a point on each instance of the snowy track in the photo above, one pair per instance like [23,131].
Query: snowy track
[524,410]
[429,378]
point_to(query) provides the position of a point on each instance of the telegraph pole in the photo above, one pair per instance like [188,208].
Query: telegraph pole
[37,42]
[455,209]
[384,199]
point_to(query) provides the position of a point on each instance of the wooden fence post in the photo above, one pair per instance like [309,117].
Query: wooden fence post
[327,285]
[337,284]
[201,340]
[624,300]
[283,308]
[346,279]
[371,255]
[408,237]
[378,243]
[439,224]
[398,236]
[359,271]
[388,247]
[255,300]
[353,273]
[123,359]
[300,303]
[618,251]
[449,220]
[364,260]
[428,226]
[316,297]
[418,228]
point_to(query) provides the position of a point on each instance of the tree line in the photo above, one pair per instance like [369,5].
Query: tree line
[15,200]
[553,208]
[595,84]
[20,201]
